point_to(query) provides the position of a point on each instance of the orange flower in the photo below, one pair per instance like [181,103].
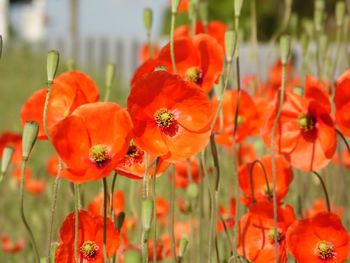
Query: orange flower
[321,238]
[198,60]
[216,29]
[319,205]
[96,205]
[181,173]
[256,233]
[168,113]
[342,103]
[9,247]
[90,239]
[92,140]
[309,136]
[133,165]
[13,140]
[247,121]
[69,90]
[183,5]
[162,210]
[317,90]
[263,189]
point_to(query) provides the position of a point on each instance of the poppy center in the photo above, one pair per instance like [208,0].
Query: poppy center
[194,75]
[306,122]
[272,236]
[166,121]
[99,154]
[133,155]
[160,68]
[89,250]
[325,250]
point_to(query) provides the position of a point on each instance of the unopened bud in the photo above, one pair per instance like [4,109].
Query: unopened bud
[174,5]
[203,12]
[147,212]
[319,14]
[132,256]
[120,221]
[192,191]
[285,48]
[183,246]
[148,19]
[340,13]
[6,159]
[110,74]
[238,7]
[53,58]
[29,136]
[230,39]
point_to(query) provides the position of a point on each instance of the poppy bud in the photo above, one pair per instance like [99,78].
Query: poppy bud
[0,45]
[71,64]
[110,74]
[203,12]
[285,48]
[183,246]
[120,221]
[174,5]
[192,191]
[323,44]
[53,58]
[29,136]
[339,13]
[147,212]
[133,256]
[238,7]
[6,160]
[319,14]
[230,39]
[148,19]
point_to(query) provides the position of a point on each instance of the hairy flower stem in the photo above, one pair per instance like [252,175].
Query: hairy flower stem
[115,177]
[24,220]
[105,200]
[172,29]
[251,178]
[154,180]
[324,190]
[274,173]
[344,140]
[76,226]
[172,215]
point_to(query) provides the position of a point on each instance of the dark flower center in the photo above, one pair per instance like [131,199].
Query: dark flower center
[268,191]
[272,236]
[325,250]
[133,155]
[99,154]
[306,122]
[194,75]
[166,122]
[89,250]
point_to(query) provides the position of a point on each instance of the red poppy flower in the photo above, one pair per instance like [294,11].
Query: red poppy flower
[321,238]
[35,186]
[92,140]
[133,165]
[256,233]
[229,217]
[90,239]
[198,60]
[319,205]
[309,136]
[168,113]
[183,5]
[69,90]
[182,179]
[248,119]
[9,247]
[317,90]
[216,29]
[13,140]
[162,209]
[96,205]
[342,103]
[263,189]
[245,153]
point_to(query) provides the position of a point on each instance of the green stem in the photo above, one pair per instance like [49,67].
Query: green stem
[344,140]
[324,190]
[171,214]
[24,220]
[155,210]
[115,177]
[53,208]
[105,199]
[274,173]
[46,105]
[251,178]
[172,29]
[76,226]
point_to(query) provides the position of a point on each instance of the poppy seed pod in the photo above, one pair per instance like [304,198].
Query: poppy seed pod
[6,159]
[285,48]
[30,133]
[53,58]
[147,212]
[183,246]
[238,7]
[110,74]
[148,19]
[230,39]
[175,5]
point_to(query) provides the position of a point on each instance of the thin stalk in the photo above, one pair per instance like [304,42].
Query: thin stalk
[105,199]
[254,35]
[274,173]
[251,178]
[226,232]
[24,220]
[344,140]
[76,226]
[172,29]
[172,216]
[155,210]
[324,190]
[53,208]
[115,177]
